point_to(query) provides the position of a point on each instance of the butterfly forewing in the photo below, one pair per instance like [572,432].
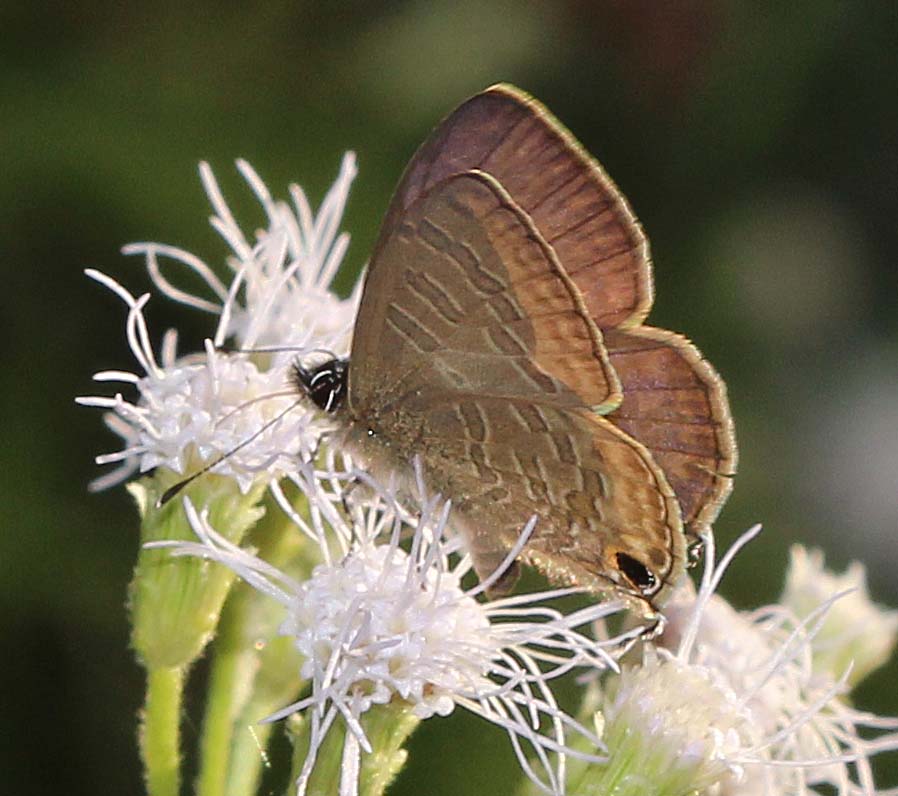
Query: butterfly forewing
[469,298]
[581,214]
[573,204]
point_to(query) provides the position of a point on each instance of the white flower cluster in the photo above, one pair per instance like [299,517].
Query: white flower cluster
[386,618]
[856,633]
[684,726]
[189,411]
[739,701]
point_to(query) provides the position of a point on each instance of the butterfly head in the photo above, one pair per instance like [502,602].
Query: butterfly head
[324,384]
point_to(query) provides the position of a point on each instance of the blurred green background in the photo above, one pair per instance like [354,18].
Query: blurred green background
[756,141]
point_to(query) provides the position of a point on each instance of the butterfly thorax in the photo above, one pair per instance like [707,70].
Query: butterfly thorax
[386,443]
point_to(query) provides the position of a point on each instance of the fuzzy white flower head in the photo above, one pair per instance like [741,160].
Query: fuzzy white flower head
[856,631]
[380,621]
[280,292]
[796,732]
[190,411]
[680,722]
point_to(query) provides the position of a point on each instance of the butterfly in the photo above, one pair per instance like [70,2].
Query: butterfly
[500,338]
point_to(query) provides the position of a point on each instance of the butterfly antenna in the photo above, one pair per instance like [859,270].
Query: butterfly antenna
[169,493]
[246,404]
[230,349]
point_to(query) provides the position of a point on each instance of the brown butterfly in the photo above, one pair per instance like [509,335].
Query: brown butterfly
[500,338]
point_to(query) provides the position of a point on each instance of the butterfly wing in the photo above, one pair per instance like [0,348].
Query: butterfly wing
[675,404]
[463,294]
[495,370]
[581,214]
[572,202]
[607,517]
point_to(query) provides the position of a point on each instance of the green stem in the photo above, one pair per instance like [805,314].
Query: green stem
[222,701]
[276,683]
[247,681]
[247,759]
[387,728]
[160,731]
[325,779]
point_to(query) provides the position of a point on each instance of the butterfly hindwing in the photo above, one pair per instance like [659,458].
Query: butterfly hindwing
[675,404]
[596,492]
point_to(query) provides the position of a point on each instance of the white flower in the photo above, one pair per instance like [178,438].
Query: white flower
[280,293]
[855,632]
[189,411]
[678,722]
[380,621]
[796,731]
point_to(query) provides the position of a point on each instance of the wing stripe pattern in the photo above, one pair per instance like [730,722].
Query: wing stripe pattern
[516,140]
[468,238]
[581,476]
[408,326]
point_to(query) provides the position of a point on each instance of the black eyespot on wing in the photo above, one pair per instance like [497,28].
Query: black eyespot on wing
[325,384]
[638,574]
